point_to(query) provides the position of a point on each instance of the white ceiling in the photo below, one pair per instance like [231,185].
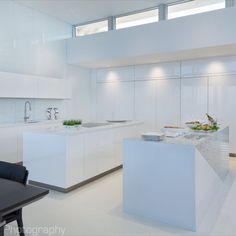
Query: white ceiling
[79,11]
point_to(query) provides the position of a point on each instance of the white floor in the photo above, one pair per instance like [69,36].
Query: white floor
[96,210]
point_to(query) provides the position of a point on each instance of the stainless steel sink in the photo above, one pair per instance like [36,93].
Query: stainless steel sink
[92,125]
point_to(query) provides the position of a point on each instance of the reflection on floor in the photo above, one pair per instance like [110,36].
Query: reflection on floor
[96,210]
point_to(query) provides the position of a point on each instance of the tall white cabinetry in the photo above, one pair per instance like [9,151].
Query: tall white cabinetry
[115,94]
[145,103]
[115,101]
[194,98]
[222,97]
[167,102]
[105,101]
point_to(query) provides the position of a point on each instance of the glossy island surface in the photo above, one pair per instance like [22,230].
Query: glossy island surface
[175,180]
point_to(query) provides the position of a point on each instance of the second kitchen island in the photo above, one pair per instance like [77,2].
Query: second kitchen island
[63,159]
[174,181]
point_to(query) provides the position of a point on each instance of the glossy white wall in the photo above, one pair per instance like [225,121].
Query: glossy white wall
[33,43]
[29,41]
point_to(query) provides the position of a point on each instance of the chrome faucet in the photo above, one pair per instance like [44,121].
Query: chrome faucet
[27,116]
[56,113]
[49,113]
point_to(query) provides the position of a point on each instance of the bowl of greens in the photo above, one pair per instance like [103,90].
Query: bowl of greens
[72,123]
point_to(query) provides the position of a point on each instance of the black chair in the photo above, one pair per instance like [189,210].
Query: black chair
[19,174]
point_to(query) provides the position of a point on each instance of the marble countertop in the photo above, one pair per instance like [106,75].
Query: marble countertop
[189,138]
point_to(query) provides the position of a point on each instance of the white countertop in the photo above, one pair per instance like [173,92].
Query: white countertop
[19,124]
[76,131]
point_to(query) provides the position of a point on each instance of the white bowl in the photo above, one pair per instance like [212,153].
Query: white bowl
[153,136]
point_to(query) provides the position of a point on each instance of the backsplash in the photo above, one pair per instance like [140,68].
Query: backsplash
[12,110]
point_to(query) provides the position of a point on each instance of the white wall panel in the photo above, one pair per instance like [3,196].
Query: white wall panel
[29,41]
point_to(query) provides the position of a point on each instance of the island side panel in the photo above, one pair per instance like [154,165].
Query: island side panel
[74,167]
[212,167]
[45,158]
[159,182]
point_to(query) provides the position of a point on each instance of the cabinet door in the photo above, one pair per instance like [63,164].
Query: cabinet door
[8,144]
[98,152]
[222,97]
[124,101]
[105,101]
[194,99]
[145,103]
[75,160]
[167,102]
[17,86]
[53,88]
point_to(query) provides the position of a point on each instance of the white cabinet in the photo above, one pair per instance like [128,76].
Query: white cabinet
[124,101]
[205,67]
[11,140]
[115,74]
[194,99]
[53,88]
[115,101]
[17,86]
[98,153]
[155,71]
[75,162]
[105,100]
[9,144]
[145,103]
[222,97]
[29,86]
[167,102]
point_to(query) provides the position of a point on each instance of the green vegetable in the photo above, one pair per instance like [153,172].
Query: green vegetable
[72,122]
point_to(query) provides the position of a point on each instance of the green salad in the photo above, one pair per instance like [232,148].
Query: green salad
[212,125]
[206,127]
[72,122]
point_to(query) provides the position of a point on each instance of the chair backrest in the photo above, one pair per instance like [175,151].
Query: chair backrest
[13,172]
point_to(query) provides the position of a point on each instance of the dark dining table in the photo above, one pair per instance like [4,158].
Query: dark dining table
[14,196]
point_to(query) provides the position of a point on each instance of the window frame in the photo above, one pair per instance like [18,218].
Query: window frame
[111,20]
[137,12]
[183,2]
[88,23]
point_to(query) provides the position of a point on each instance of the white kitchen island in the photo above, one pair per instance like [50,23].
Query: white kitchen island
[175,180]
[66,158]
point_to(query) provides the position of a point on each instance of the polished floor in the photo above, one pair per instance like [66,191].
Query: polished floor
[96,210]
